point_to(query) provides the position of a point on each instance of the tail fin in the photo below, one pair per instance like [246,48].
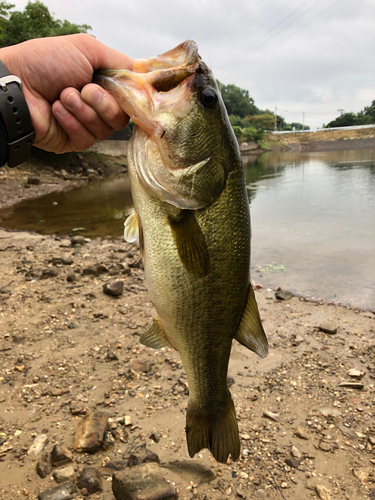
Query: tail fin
[217,431]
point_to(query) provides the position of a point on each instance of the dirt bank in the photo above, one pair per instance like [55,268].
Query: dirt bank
[67,348]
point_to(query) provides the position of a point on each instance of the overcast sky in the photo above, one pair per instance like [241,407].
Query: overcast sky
[303,56]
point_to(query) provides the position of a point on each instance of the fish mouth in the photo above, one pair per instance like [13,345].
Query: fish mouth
[137,91]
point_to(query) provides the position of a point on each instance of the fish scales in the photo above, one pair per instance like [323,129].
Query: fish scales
[193,221]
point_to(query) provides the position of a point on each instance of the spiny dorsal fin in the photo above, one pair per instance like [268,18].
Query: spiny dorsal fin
[155,336]
[250,333]
[131,230]
[191,245]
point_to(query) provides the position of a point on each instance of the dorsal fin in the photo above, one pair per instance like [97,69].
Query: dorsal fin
[250,332]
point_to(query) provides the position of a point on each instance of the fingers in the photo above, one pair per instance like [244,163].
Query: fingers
[78,137]
[105,105]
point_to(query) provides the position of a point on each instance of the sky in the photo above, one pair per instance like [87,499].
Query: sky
[307,58]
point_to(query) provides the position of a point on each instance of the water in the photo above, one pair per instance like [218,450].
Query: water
[313,221]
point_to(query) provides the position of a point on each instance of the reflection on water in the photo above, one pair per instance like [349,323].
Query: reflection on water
[313,215]
[313,220]
[95,209]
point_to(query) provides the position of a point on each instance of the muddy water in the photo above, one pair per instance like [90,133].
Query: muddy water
[313,220]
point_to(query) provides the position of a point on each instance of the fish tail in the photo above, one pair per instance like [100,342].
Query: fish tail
[217,431]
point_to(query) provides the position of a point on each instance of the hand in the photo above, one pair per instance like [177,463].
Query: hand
[68,112]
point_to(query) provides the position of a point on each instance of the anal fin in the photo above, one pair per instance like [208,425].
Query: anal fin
[155,336]
[131,229]
[250,332]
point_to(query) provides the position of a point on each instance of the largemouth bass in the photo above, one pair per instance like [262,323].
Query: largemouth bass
[192,221]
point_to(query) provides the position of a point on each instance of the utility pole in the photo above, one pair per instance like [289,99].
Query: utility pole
[275,118]
[341,111]
[303,121]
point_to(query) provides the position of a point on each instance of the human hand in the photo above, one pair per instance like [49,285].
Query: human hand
[68,112]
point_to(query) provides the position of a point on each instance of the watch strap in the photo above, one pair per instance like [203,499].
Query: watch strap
[16,118]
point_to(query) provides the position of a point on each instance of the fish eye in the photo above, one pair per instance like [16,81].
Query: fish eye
[208,97]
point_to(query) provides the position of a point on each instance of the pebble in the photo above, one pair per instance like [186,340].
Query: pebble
[155,437]
[44,466]
[284,295]
[293,462]
[64,491]
[38,444]
[330,412]
[90,480]
[61,456]
[65,474]
[296,452]
[142,482]
[352,385]
[301,432]
[328,328]
[141,456]
[77,240]
[346,431]
[141,366]
[49,272]
[322,492]
[33,180]
[90,431]
[194,471]
[362,474]
[114,289]
[271,415]
[354,373]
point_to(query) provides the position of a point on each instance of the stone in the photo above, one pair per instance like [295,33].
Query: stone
[324,446]
[355,373]
[142,483]
[90,479]
[194,471]
[77,408]
[330,412]
[362,474]
[293,462]
[90,271]
[90,431]
[271,415]
[284,295]
[71,277]
[347,431]
[33,180]
[296,452]
[44,466]
[328,328]
[301,432]
[64,474]
[61,456]
[50,272]
[352,385]
[155,437]
[141,456]
[77,240]
[322,492]
[114,289]
[141,366]
[38,444]
[65,491]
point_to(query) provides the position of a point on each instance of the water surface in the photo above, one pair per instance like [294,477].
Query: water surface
[313,220]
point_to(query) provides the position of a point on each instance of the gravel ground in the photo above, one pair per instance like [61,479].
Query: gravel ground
[68,349]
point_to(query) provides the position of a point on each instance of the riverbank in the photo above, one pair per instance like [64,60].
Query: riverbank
[67,349]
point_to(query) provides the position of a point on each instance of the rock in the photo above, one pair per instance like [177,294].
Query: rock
[38,444]
[141,366]
[64,491]
[90,271]
[347,431]
[108,441]
[272,416]
[61,456]
[142,483]
[362,474]
[330,412]
[33,180]
[114,289]
[301,432]
[293,462]
[44,466]
[284,295]
[155,437]
[77,240]
[71,277]
[230,381]
[65,474]
[111,356]
[77,408]
[141,456]
[194,471]
[324,446]
[352,385]
[328,328]
[355,373]
[296,453]
[58,391]
[90,431]
[50,272]
[91,480]
[322,492]
[102,269]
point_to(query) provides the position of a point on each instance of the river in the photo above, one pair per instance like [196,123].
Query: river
[313,221]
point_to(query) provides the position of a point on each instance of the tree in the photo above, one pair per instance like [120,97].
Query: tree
[34,22]
[237,101]
[344,120]
[263,122]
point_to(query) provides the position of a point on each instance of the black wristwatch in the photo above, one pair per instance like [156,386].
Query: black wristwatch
[15,116]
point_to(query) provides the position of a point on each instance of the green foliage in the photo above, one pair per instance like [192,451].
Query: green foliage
[298,126]
[364,117]
[262,122]
[235,121]
[237,131]
[237,101]
[344,120]
[34,22]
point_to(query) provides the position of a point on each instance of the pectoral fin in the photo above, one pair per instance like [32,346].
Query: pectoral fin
[155,336]
[191,245]
[131,230]
[250,333]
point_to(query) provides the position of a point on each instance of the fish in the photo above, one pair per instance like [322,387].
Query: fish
[192,220]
